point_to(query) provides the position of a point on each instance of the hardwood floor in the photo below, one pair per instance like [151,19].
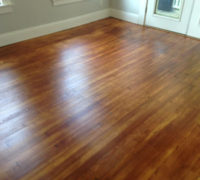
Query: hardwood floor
[105,101]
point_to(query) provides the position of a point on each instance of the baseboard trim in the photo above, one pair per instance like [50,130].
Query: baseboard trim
[25,34]
[37,31]
[126,16]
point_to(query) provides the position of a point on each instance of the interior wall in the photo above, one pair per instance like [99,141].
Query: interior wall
[29,13]
[131,6]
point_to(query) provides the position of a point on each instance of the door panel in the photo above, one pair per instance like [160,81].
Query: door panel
[194,28]
[172,15]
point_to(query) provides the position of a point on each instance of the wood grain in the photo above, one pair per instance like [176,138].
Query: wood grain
[109,100]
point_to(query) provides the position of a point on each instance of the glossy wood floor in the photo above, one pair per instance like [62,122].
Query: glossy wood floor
[105,101]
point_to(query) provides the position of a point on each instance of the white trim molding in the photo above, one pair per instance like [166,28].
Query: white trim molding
[37,31]
[24,34]
[142,11]
[62,2]
[5,6]
[126,16]
[194,24]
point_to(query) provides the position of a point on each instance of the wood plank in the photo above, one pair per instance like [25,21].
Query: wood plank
[106,100]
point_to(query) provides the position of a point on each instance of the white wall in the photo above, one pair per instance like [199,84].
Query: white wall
[129,10]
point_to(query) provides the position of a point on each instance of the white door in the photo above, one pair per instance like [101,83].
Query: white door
[194,27]
[172,15]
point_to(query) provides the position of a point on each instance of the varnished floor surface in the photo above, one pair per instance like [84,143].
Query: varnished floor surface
[105,101]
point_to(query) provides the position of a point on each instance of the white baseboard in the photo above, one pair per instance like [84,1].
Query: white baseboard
[37,31]
[126,16]
[24,34]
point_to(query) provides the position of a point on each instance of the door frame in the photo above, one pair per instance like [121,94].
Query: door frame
[143,14]
[142,11]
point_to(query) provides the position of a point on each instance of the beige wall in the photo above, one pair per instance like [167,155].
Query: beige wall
[126,5]
[29,13]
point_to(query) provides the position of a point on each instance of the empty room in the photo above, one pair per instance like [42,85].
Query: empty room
[99,90]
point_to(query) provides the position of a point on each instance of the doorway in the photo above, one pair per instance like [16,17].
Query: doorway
[181,16]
